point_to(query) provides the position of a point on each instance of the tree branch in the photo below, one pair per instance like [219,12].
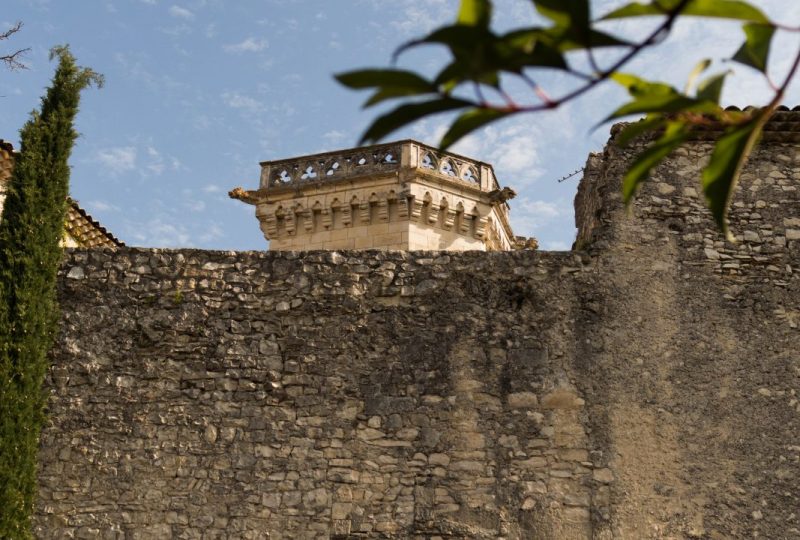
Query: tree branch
[652,39]
[13,61]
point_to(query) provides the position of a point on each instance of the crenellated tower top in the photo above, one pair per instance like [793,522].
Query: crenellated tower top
[401,195]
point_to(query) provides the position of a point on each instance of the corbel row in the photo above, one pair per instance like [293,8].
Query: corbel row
[290,220]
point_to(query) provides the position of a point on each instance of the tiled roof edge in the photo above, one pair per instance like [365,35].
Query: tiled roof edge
[116,241]
[782,127]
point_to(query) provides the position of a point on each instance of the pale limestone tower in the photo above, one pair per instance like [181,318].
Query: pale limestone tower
[403,195]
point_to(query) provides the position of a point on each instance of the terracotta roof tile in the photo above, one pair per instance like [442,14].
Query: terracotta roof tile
[86,230]
[783,127]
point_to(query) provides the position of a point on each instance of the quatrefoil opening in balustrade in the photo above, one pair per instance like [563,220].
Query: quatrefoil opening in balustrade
[283,178]
[309,173]
[470,175]
[333,169]
[389,158]
[447,168]
[428,162]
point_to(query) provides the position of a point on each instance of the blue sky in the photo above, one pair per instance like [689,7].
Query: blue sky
[199,91]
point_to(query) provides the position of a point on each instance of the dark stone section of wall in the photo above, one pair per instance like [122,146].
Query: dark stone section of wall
[646,387]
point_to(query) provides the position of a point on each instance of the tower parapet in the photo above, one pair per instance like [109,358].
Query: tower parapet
[403,195]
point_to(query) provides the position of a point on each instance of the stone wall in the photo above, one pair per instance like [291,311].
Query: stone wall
[225,395]
[646,387]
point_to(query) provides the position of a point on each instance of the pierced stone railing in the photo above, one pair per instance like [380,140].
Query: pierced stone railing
[370,160]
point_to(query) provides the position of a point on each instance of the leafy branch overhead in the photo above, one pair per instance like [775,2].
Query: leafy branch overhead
[475,80]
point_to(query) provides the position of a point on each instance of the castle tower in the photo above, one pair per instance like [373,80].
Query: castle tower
[403,195]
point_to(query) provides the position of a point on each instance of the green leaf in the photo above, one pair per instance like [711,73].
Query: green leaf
[384,94]
[475,13]
[390,83]
[711,88]
[457,72]
[390,78]
[405,114]
[652,97]
[754,52]
[636,129]
[722,172]
[524,48]
[637,86]
[461,39]
[724,9]
[570,39]
[566,13]
[676,134]
[469,122]
[698,69]
[661,104]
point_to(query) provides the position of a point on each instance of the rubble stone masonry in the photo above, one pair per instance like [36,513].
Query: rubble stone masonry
[643,387]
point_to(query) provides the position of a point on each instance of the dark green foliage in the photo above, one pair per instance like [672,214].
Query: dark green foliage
[32,225]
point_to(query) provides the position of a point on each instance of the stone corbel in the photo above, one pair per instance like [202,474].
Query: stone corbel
[364,211]
[308,216]
[433,213]
[402,206]
[347,214]
[270,226]
[290,221]
[449,219]
[480,227]
[466,223]
[327,218]
[416,208]
[383,209]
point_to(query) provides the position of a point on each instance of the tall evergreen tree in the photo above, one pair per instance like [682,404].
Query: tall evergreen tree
[31,227]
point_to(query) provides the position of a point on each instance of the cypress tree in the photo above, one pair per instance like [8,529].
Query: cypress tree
[31,226]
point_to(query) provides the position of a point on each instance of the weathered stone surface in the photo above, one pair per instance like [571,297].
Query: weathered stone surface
[640,388]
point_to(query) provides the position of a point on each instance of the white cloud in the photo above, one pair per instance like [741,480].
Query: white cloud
[544,210]
[213,232]
[158,163]
[102,206]
[411,17]
[250,44]
[512,147]
[555,245]
[159,233]
[532,216]
[211,188]
[181,13]
[195,206]
[235,100]
[334,137]
[117,160]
